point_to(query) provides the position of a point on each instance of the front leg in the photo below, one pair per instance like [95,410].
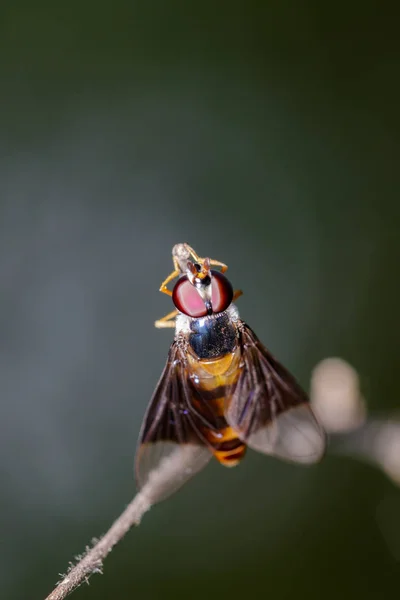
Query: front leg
[171,276]
[167,320]
[237,295]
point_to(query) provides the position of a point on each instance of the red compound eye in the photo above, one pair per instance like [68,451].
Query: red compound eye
[221,292]
[188,300]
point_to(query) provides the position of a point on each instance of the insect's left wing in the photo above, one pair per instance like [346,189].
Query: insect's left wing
[171,447]
[269,410]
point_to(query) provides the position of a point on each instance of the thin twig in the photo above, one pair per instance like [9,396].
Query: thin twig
[92,560]
[173,469]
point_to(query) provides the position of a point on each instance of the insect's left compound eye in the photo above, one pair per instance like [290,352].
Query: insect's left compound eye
[188,300]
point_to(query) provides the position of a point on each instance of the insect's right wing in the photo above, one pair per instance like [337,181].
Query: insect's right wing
[171,447]
[269,410]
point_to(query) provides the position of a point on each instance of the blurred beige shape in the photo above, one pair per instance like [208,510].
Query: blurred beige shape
[335,396]
[386,449]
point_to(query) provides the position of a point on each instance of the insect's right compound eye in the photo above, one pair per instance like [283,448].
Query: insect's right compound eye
[187,299]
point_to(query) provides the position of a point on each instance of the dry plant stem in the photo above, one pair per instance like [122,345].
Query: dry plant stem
[156,488]
[92,561]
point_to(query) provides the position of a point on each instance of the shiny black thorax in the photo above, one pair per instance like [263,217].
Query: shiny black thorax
[212,336]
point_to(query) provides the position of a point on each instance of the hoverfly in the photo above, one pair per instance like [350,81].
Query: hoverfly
[220,390]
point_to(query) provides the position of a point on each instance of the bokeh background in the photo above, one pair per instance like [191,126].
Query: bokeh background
[265,134]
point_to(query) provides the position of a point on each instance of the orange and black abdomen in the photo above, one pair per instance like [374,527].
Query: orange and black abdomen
[213,379]
[228,448]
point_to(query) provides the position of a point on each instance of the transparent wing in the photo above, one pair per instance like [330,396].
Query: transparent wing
[171,446]
[269,410]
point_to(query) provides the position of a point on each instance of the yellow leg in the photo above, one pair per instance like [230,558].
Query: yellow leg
[215,263]
[167,320]
[237,295]
[171,276]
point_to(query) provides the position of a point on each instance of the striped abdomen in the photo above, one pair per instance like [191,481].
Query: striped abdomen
[213,378]
[228,448]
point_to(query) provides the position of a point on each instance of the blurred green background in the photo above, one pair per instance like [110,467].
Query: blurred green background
[265,134]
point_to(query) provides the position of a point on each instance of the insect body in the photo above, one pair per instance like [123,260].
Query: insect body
[212,378]
[220,391]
